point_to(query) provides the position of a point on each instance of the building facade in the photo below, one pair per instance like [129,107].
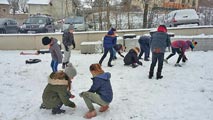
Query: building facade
[58,9]
[4,8]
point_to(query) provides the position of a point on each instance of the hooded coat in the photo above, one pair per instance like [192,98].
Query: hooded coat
[56,92]
[160,40]
[55,51]
[131,57]
[109,40]
[102,86]
[68,38]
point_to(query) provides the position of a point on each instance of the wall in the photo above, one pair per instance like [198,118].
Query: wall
[33,41]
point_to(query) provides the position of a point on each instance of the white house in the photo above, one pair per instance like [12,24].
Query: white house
[4,8]
[56,8]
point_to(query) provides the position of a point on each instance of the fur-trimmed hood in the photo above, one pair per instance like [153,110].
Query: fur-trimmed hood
[58,78]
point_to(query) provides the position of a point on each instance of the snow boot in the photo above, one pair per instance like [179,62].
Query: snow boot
[90,114]
[177,65]
[57,111]
[134,65]
[150,75]
[103,108]
[159,76]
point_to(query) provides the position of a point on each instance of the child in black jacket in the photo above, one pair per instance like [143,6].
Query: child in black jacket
[131,57]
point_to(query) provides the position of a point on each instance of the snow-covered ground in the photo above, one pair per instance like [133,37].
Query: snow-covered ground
[185,93]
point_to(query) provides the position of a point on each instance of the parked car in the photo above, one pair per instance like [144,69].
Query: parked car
[78,23]
[8,25]
[38,24]
[181,17]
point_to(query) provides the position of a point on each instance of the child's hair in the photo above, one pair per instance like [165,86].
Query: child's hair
[97,68]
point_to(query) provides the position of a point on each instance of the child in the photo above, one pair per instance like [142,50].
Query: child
[55,52]
[131,57]
[57,91]
[144,43]
[109,42]
[68,41]
[100,91]
[118,48]
[180,46]
[159,41]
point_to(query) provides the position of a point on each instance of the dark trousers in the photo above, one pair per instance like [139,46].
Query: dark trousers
[157,57]
[174,51]
[106,50]
[144,49]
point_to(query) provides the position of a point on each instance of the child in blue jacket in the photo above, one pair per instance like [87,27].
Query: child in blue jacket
[100,91]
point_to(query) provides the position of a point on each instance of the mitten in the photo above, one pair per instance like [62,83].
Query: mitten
[66,48]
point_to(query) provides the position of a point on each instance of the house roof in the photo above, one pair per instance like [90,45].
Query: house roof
[4,2]
[39,2]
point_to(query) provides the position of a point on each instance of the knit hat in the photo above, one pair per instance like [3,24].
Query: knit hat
[71,27]
[46,40]
[162,28]
[70,70]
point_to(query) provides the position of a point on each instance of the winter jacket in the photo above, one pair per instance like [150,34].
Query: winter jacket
[68,38]
[55,51]
[144,40]
[183,45]
[131,57]
[56,92]
[109,41]
[159,42]
[102,86]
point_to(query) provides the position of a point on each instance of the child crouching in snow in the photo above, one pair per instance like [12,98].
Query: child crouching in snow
[57,91]
[100,91]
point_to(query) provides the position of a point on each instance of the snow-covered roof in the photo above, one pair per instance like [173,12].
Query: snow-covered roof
[4,2]
[39,2]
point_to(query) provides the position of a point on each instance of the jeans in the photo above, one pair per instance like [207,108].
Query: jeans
[54,65]
[157,57]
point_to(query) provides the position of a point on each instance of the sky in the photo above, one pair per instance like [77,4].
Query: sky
[184,93]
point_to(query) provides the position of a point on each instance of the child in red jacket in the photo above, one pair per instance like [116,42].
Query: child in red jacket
[180,46]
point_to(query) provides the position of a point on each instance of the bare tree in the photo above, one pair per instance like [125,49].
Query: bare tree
[14,5]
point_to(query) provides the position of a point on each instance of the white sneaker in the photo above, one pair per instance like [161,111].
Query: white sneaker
[177,65]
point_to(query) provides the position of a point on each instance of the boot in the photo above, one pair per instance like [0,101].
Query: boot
[57,111]
[110,65]
[150,75]
[134,65]
[63,65]
[103,108]
[90,114]
[159,76]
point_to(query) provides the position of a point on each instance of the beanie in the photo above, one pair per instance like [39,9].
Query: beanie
[71,27]
[46,40]
[70,71]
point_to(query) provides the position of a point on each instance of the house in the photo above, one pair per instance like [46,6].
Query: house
[58,9]
[4,8]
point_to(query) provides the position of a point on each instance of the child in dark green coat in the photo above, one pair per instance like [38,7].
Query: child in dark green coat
[57,91]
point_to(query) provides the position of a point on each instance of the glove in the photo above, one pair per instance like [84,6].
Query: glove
[140,63]
[66,48]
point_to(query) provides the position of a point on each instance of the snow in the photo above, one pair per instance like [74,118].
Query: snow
[38,2]
[185,93]
[4,2]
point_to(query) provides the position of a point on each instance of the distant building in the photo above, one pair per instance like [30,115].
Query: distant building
[56,8]
[4,8]
[167,4]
